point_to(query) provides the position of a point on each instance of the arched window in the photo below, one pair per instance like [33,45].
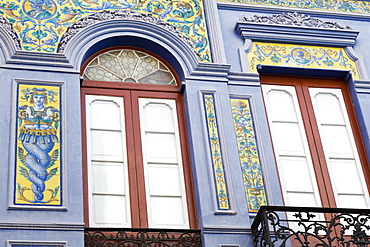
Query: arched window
[137,167]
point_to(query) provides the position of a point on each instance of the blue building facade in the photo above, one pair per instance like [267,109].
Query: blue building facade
[268,106]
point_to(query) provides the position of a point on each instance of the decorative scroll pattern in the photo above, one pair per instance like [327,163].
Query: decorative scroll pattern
[300,56]
[142,237]
[330,5]
[38,163]
[40,24]
[294,19]
[248,154]
[214,140]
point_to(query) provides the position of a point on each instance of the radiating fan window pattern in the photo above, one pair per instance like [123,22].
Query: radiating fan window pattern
[129,66]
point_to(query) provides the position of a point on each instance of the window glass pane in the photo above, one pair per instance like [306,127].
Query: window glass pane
[160,147]
[106,145]
[108,178]
[129,66]
[295,174]
[289,138]
[167,212]
[345,176]
[110,210]
[105,115]
[158,117]
[164,180]
[337,141]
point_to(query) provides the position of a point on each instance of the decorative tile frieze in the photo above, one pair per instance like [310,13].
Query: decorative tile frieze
[38,179]
[40,25]
[301,56]
[248,154]
[216,154]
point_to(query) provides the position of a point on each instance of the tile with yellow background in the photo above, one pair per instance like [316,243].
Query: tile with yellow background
[38,146]
[304,56]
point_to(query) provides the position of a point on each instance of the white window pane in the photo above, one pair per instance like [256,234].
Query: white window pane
[105,114]
[302,200]
[329,108]
[296,175]
[158,117]
[288,138]
[346,177]
[108,178]
[161,147]
[281,105]
[164,180]
[106,145]
[110,210]
[337,141]
[167,211]
[352,201]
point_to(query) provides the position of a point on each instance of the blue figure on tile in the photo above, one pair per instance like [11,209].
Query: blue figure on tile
[38,134]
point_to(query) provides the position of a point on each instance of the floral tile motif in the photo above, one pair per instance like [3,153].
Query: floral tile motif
[215,147]
[38,156]
[248,154]
[362,7]
[40,24]
[300,56]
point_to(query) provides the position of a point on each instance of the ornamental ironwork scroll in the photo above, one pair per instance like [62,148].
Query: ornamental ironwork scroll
[38,145]
[311,227]
[216,154]
[141,237]
[248,153]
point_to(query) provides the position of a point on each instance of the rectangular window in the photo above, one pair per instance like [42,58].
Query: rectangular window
[134,160]
[317,145]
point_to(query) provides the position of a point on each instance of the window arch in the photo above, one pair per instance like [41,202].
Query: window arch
[136,157]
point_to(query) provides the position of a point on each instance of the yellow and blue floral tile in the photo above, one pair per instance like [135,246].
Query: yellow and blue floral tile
[248,154]
[40,24]
[304,56]
[216,153]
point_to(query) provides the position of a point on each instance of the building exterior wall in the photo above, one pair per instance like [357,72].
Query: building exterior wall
[210,44]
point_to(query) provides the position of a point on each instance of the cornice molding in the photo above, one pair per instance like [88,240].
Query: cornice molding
[297,29]
[118,15]
[294,19]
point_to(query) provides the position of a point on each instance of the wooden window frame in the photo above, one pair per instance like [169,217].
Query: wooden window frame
[139,216]
[302,85]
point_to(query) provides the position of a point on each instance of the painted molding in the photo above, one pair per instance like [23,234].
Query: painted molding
[285,28]
[42,226]
[19,243]
[214,31]
[226,229]
[77,47]
[294,19]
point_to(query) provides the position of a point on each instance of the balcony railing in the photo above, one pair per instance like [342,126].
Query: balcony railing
[311,227]
[131,237]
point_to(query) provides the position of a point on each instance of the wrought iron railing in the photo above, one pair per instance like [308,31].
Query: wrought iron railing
[311,227]
[132,237]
